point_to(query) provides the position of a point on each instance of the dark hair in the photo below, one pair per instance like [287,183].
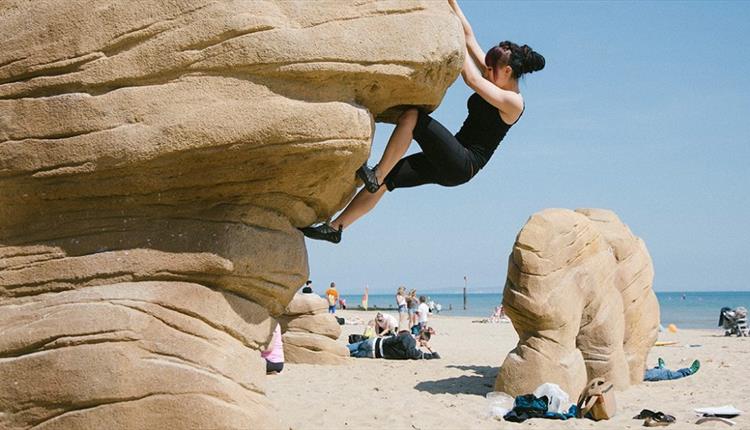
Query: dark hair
[425,334]
[522,59]
[308,282]
[422,299]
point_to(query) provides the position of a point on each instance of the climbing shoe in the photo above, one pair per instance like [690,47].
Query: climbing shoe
[322,232]
[367,175]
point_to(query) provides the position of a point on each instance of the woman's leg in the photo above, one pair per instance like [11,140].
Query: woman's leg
[398,143]
[362,203]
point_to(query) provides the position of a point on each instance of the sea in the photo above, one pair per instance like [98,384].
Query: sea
[696,310]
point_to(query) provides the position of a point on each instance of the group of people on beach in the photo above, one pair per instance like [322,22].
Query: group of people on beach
[404,338]
[331,295]
[417,309]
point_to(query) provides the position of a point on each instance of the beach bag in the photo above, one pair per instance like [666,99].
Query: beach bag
[598,400]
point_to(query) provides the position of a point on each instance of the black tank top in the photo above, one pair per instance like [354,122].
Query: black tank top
[483,129]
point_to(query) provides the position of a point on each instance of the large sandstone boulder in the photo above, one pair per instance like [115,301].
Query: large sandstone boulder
[579,294]
[310,332]
[155,159]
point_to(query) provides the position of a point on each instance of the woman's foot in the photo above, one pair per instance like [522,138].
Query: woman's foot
[323,232]
[368,176]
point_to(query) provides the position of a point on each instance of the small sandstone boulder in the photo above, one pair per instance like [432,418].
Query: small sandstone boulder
[313,349]
[310,332]
[579,294]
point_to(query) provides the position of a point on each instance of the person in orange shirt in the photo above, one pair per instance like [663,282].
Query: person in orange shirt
[333,296]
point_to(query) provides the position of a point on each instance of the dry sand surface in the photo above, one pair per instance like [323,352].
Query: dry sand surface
[450,393]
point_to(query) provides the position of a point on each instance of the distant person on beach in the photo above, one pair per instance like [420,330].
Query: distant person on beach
[307,289]
[422,313]
[660,373]
[401,300]
[412,303]
[342,303]
[274,355]
[333,296]
[446,159]
[403,346]
[498,315]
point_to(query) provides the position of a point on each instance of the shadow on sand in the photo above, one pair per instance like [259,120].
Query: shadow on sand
[479,383]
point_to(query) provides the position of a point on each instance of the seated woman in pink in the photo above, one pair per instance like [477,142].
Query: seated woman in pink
[274,355]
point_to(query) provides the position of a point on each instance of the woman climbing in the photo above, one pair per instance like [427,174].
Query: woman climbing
[446,159]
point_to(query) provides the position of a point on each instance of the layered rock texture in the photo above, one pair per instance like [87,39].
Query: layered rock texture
[155,159]
[579,294]
[310,332]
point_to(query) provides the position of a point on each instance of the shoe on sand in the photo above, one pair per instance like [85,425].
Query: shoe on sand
[659,419]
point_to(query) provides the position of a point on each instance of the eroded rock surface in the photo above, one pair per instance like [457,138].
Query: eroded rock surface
[310,332]
[579,294]
[155,159]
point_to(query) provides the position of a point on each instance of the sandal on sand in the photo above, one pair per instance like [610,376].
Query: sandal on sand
[645,413]
[659,419]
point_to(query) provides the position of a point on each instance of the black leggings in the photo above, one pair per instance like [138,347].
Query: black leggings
[274,367]
[443,159]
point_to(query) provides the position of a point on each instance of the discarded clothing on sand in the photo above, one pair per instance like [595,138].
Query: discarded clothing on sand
[531,406]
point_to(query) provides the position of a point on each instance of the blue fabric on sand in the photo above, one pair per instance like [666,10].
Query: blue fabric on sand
[661,374]
[361,349]
[530,406]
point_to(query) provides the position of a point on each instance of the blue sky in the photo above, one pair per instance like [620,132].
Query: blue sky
[643,108]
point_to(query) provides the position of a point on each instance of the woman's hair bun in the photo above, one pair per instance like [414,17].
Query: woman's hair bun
[532,60]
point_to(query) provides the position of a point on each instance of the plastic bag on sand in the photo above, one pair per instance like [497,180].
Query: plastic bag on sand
[499,404]
[559,401]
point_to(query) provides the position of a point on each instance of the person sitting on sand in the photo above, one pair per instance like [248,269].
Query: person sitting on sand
[498,315]
[385,325]
[660,373]
[403,346]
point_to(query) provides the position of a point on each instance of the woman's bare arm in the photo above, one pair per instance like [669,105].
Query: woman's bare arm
[472,46]
[508,102]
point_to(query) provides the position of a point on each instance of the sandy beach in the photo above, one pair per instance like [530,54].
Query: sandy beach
[450,393]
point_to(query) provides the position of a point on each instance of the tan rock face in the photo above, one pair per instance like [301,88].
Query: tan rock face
[579,294]
[159,152]
[310,332]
